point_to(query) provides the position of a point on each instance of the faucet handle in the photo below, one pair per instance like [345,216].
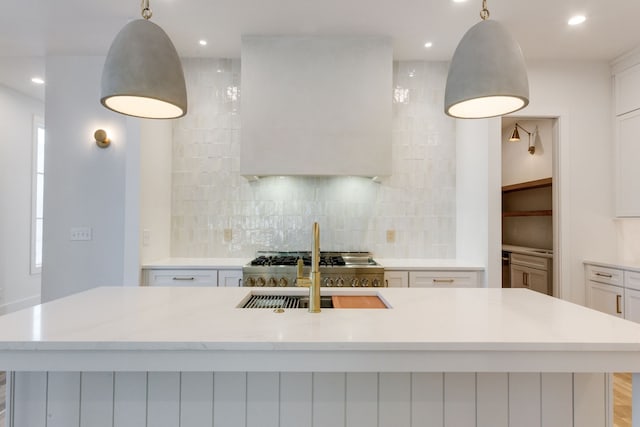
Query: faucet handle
[299,266]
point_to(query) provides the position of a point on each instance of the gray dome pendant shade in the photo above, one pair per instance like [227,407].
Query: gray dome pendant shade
[142,75]
[487,76]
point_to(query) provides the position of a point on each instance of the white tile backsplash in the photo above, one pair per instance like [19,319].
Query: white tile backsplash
[276,213]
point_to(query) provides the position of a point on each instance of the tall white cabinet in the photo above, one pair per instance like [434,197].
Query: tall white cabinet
[626,79]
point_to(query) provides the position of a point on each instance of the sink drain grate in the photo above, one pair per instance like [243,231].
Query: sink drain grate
[272,301]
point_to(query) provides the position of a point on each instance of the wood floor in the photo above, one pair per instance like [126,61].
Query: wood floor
[621,400]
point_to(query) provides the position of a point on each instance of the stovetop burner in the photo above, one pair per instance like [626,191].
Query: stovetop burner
[274,260]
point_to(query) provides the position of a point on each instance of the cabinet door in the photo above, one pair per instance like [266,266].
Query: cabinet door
[632,305]
[230,278]
[443,279]
[530,278]
[627,90]
[627,170]
[605,298]
[396,279]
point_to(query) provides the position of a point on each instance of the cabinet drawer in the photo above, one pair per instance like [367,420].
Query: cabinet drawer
[443,279]
[632,280]
[182,277]
[610,276]
[539,262]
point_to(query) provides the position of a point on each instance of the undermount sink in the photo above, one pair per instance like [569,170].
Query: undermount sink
[283,301]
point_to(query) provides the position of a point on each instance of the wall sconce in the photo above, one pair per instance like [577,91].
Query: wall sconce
[515,136]
[102,140]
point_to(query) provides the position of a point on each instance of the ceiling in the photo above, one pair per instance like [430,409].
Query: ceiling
[32,29]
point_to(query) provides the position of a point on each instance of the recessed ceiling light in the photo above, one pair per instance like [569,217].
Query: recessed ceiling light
[577,20]
[203,42]
[37,80]
[459,1]
[428,45]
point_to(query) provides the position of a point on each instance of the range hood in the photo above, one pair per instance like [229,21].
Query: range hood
[316,106]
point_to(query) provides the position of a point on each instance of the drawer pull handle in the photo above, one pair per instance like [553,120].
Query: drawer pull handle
[608,276]
[443,280]
[184,278]
[618,299]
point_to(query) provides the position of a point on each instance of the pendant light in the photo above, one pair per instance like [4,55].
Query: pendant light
[142,75]
[487,76]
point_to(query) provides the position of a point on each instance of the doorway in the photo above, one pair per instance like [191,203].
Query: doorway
[528,146]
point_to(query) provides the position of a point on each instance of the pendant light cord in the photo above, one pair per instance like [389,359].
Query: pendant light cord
[146,10]
[484,13]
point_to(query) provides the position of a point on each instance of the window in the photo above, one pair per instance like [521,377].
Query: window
[37,195]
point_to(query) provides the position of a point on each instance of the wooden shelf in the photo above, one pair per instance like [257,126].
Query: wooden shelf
[538,183]
[527,213]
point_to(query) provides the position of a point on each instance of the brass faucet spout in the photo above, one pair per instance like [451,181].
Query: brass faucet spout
[314,289]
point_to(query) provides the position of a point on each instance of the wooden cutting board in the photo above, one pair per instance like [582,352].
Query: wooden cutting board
[357,301]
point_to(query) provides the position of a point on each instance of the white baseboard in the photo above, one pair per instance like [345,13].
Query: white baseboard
[19,305]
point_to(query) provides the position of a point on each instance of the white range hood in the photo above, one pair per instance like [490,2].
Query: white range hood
[316,106]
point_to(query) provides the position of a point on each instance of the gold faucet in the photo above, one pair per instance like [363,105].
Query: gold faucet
[313,281]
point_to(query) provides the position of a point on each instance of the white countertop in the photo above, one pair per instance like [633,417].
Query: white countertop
[427,264]
[456,330]
[545,253]
[623,265]
[198,263]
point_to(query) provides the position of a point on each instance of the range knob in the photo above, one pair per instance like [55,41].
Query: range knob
[376,283]
[250,281]
[283,282]
[364,283]
[272,282]
[328,281]
[260,281]
[355,283]
[340,282]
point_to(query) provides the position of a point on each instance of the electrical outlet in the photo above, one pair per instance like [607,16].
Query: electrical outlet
[146,237]
[391,236]
[80,234]
[228,235]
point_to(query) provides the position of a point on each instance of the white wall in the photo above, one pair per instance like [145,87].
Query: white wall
[18,287]
[85,185]
[155,189]
[478,204]
[579,94]
[209,195]
[517,164]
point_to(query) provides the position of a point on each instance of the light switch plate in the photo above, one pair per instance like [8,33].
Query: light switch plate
[228,235]
[80,234]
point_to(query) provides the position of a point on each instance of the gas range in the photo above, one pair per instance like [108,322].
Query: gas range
[337,269]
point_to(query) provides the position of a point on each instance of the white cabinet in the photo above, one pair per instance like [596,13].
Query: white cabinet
[191,277]
[230,278]
[626,167]
[627,90]
[396,279]
[443,279]
[632,305]
[614,291]
[532,272]
[181,277]
[531,278]
[605,298]
[431,278]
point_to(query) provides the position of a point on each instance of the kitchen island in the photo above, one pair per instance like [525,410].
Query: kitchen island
[191,357]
